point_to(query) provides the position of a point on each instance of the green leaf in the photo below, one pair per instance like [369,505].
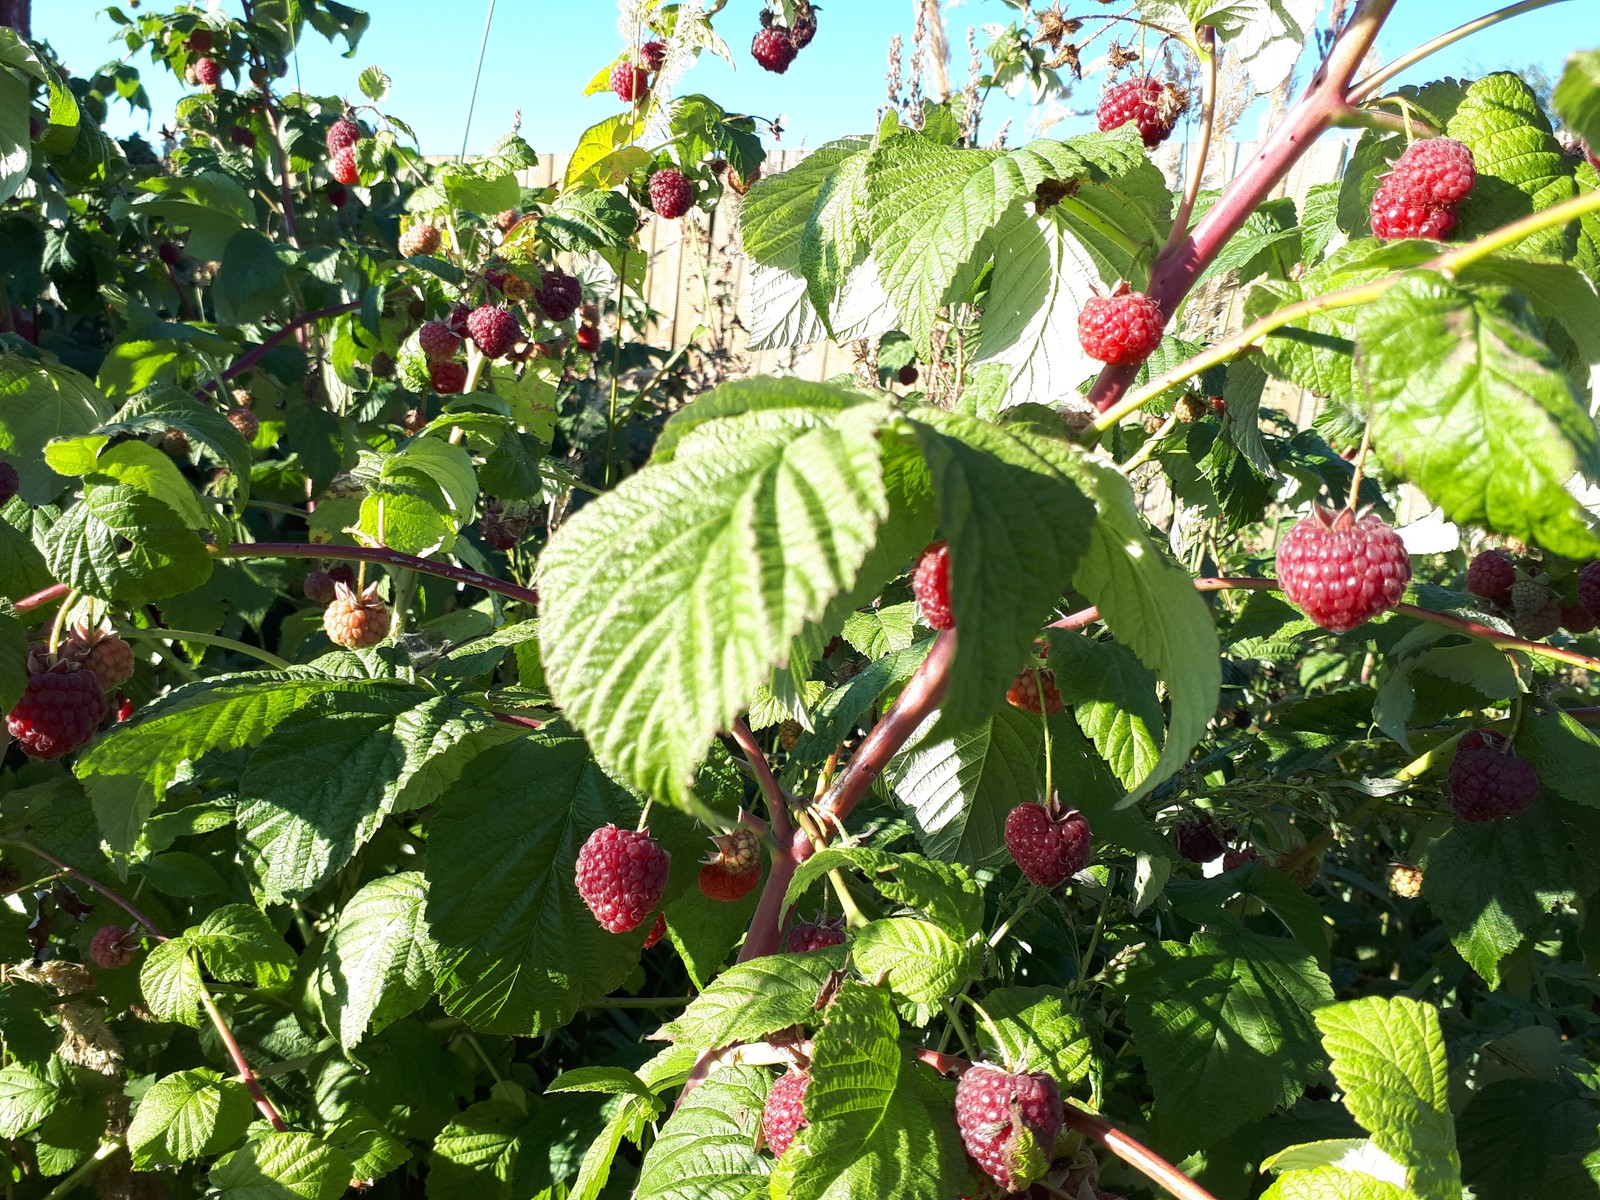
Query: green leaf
[666,601]
[249,282]
[748,1001]
[1330,1183]
[190,1114]
[917,960]
[142,467]
[609,1081]
[26,1100]
[374,84]
[22,566]
[13,657]
[1577,95]
[593,220]
[161,409]
[169,980]
[943,892]
[1473,408]
[706,1150]
[476,1154]
[1030,1028]
[283,1166]
[122,545]
[380,961]
[324,779]
[521,953]
[1113,698]
[239,945]
[880,1124]
[1389,1060]
[1566,754]
[1530,1137]
[38,404]
[1227,1015]
[16,154]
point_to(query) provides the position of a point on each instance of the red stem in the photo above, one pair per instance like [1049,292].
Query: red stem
[1136,1154]
[251,357]
[777,807]
[125,905]
[40,599]
[383,556]
[1179,265]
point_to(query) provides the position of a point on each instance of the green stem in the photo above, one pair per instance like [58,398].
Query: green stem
[1099,224]
[962,1035]
[1377,79]
[206,639]
[80,1173]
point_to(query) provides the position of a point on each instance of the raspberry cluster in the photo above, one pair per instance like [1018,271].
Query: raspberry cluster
[1522,592]
[776,46]
[1049,844]
[1341,570]
[996,1109]
[1420,197]
[341,139]
[621,875]
[1154,105]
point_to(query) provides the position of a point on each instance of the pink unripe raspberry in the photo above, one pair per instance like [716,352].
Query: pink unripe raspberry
[342,135]
[930,584]
[1120,329]
[629,81]
[113,946]
[1341,571]
[207,72]
[343,167]
[784,1112]
[1152,105]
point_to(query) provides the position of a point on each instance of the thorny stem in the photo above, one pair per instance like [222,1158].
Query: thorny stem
[1177,269]
[1197,167]
[381,555]
[1378,78]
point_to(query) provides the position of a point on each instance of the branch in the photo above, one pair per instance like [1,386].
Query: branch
[40,599]
[777,807]
[1377,79]
[125,905]
[1135,1153]
[251,357]
[1197,167]
[384,557]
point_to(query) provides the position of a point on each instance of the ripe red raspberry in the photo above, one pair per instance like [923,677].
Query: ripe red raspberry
[342,135]
[502,528]
[448,378]
[60,709]
[559,295]
[354,621]
[930,584]
[653,55]
[103,653]
[1234,859]
[199,42]
[317,587]
[657,931]
[784,1112]
[245,421]
[207,72]
[989,1103]
[1405,881]
[1035,691]
[1575,618]
[621,875]
[10,481]
[494,329]
[1120,329]
[1150,104]
[1490,783]
[419,239]
[588,339]
[1049,846]
[1199,841]
[169,253]
[773,49]
[816,935]
[1435,171]
[124,708]
[629,81]
[1539,624]
[343,167]
[1589,588]
[113,946]
[1341,571]
[670,194]
[1491,576]
[1394,217]
[437,342]
[908,375]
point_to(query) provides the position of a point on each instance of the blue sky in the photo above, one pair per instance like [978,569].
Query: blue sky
[543,52]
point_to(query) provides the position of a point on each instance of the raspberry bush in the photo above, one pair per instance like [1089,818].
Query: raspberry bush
[457,747]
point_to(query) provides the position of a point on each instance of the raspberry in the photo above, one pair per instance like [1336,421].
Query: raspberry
[457,319]
[719,883]
[1539,624]
[199,42]
[908,375]
[621,875]
[1528,597]
[989,1103]
[1035,691]
[495,278]
[1488,783]
[1405,881]
[816,935]
[506,219]
[736,851]
[1490,576]
[175,443]
[124,708]
[653,55]
[342,135]
[1481,739]
[343,167]
[1341,571]
[930,584]
[1589,588]
[1049,848]
[241,136]
[1120,329]
[245,421]
[789,734]
[559,295]
[1150,104]
[657,931]
[343,573]
[1394,218]
[60,709]
[1235,859]
[1199,841]
[338,197]
[10,481]
[354,621]
[419,239]
[437,342]
[588,339]
[113,946]
[733,870]
[207,72]
[670,194]
[805,29]
[169,253]
[494,329]
[1302,871]
[501,528]
[103,653]
[773,49]
[629,81]
[1433,172]
[317,587]
[1577,619]
[784,1112]
[448,378]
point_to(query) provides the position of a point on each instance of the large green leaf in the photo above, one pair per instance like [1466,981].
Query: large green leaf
[1577,95]
[1472,407]
[380,961]
[666,601]
[120,544]
[1389,1059]
[706,1150]
[1531,1137]
[945,893]
[917,960]
[40,402]
[1331,1183]
[1113,697]
[753,999]
[186,1115]
[26,1099]
[283,1166]
[1032,1027]
[1227,1015]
